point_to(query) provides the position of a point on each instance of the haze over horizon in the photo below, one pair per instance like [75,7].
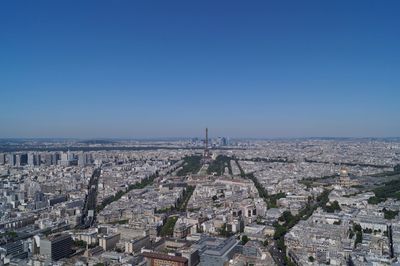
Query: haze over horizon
[126,69]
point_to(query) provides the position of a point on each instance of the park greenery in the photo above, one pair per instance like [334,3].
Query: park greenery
[389,214]
[83,244]
[139,185]
[168,227]
[368,231]
[245,239]
[312,181]
[351,234]
[287,220]
[80,243]
[331,208]
[274,197]
[389,189]
[218,165]
[358,232]
[270,200]
[375,200]
[182,203]
[191,165]
[10,235]
[225,231]
[164,210]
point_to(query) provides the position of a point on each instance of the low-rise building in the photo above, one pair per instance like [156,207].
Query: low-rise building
[160,259]
[109,242]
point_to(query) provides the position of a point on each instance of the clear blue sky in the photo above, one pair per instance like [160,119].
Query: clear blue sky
[170,68]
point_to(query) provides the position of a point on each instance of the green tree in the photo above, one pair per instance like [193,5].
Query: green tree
[168,227]
[192,165]
[358,238]
[375,200]
[80,243]
[223,231]
[389,214]
[245,239]
[334,206]
[351,234]
[357,227]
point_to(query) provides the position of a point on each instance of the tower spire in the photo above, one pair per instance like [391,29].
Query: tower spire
[206,150]
[206,138]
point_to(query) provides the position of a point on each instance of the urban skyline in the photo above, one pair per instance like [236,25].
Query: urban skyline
[200,202]
[211,133]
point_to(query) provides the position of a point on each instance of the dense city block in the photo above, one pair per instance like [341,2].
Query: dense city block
[195,202]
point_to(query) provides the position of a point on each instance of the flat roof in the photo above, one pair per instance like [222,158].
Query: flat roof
[162,256]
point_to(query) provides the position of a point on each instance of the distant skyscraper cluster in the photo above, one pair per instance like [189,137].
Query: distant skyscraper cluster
[47,159]
[211,142]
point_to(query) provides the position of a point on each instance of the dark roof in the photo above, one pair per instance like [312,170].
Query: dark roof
[162,256]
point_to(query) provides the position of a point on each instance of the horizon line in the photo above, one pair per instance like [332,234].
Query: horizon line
[192,137]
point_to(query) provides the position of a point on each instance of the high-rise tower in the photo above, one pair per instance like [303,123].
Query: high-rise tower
[206,150]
